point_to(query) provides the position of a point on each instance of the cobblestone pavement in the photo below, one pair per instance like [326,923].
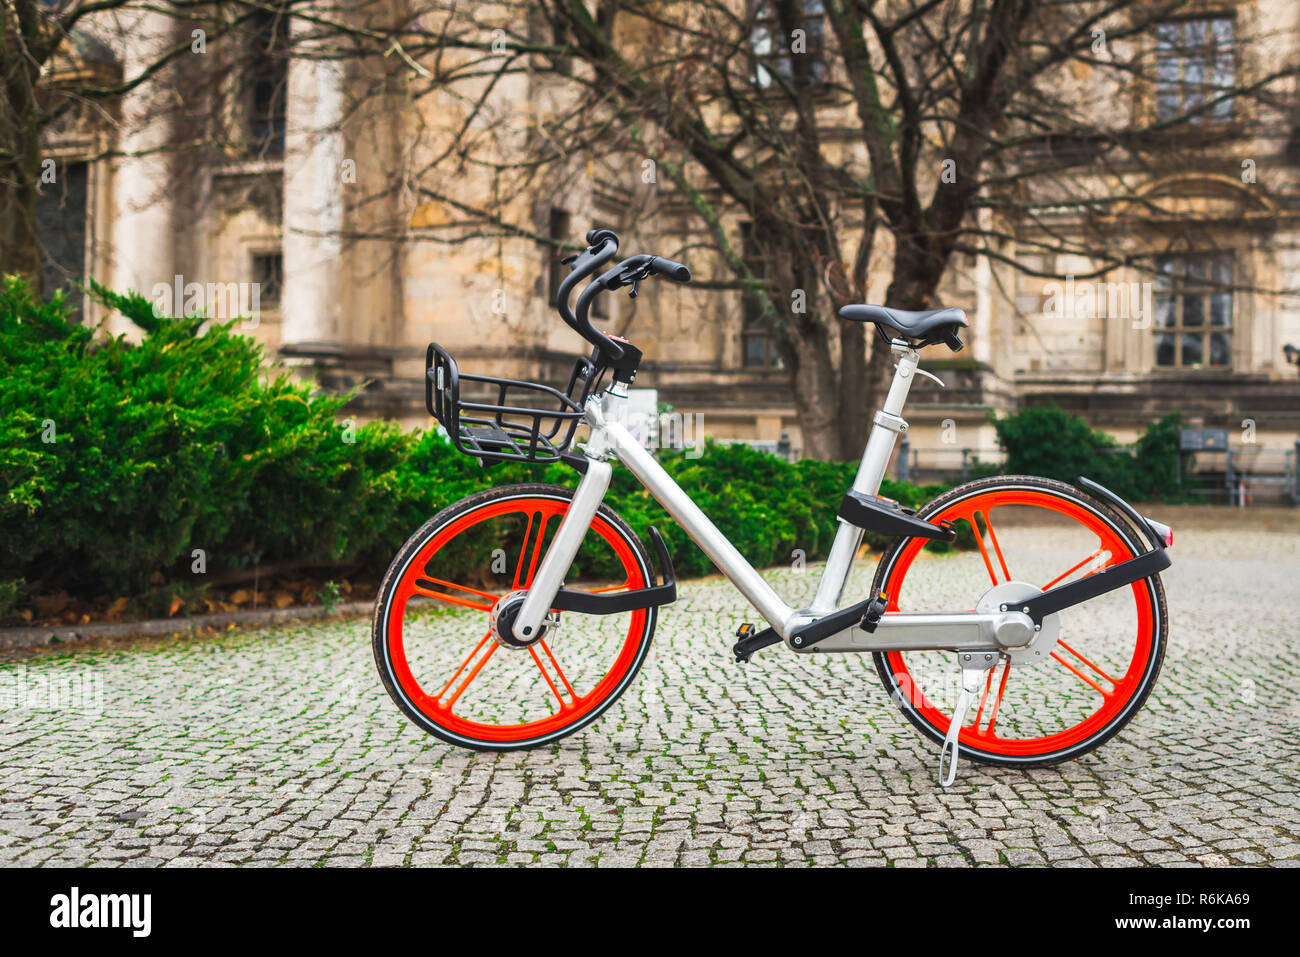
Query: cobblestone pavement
[280,746]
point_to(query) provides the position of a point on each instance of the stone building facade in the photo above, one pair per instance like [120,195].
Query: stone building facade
[301,197]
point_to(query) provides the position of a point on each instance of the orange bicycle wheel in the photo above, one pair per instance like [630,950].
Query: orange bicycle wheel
[1081,684]
[442,658]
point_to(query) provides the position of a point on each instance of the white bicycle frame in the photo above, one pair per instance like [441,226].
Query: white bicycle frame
[949,631]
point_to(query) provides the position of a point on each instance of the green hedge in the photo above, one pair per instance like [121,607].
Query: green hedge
[767,507]
[118,460]
[1051,442]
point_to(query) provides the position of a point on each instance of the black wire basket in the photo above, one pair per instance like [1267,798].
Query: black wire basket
[527,422]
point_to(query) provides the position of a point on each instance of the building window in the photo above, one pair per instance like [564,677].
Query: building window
[268,273]
[1194,65]
[757,344]
[774,52]
[267,82]
[1193,321]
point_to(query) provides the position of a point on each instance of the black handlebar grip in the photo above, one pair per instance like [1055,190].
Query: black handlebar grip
[672,270]
[597,236]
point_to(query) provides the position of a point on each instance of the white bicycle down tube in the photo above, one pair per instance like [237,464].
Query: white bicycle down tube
[609,434]
[702,531]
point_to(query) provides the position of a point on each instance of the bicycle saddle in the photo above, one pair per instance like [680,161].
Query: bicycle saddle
[930,325]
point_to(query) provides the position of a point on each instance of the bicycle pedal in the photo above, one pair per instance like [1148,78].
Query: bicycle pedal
[875,611]
[752,640]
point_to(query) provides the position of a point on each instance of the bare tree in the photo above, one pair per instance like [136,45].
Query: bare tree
[855,138]
[848,134]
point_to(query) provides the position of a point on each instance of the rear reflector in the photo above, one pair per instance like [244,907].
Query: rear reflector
[1165,533]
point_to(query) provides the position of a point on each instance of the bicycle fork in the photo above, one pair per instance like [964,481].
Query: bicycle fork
[563,548]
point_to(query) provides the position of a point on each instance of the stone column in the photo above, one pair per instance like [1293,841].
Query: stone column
[313,202]
[143,232]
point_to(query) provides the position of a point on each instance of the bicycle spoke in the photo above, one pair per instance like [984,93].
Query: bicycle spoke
[988,523]
[540,520]
[573,697]
[1002,690]
[531,550]
[979,540]
[1086,662]
[1107,695]
[1091,558]
[988,684]
[482,660]
[997,701]
[419,589]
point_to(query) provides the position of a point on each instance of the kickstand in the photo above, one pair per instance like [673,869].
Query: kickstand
[971,679]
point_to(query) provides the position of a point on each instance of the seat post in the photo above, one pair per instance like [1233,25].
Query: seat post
[889,423]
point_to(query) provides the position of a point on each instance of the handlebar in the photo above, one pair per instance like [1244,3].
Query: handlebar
[602,244]
[669,269]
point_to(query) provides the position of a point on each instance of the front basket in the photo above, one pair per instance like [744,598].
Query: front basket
[511,420]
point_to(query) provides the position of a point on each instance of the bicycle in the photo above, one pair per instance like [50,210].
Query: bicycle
[475,616]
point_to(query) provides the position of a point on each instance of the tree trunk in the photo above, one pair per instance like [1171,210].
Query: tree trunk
[856,390]
[814,384]
[19,244]
[20,139]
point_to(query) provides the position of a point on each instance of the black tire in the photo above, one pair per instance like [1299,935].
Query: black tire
[398,567]
[1155,589]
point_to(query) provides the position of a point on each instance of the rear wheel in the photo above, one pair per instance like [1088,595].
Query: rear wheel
[441,638]
[1083,686]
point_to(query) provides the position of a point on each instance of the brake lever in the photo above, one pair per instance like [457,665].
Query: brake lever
[640,272]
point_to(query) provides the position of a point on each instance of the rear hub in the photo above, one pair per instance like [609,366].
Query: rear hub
[1010,596]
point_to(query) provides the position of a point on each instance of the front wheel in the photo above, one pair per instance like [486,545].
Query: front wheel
[1057,701]
[437,638]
